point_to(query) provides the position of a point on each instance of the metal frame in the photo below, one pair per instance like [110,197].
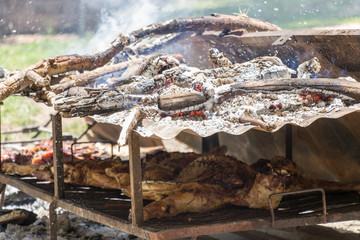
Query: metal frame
[137,226]
[137,217]
[58,156]
[288,142]
[295,193]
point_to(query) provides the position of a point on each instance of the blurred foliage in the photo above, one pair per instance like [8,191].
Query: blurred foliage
[19,56]
[19,111]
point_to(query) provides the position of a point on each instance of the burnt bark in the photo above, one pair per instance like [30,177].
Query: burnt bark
[113,75]
[41,72]
[215,22]
[106,100]
[174,102]
[344,87]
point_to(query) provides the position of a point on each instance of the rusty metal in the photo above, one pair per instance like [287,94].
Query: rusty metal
[1,103]
[101,217]
[2,194]
[194,231]
[135,179]
[53,220]
[58,156]
[288,142]
[95,141]
[89,126]
[282,40]
[295,193]
[240,219]
[28,130]
[26,188]
[209,143]
[22,142]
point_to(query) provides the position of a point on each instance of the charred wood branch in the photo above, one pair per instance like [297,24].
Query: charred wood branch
[63,64]
[100,102]
[39,73]
[111,75]
[344,87]
[37,79]
[13,84]
[118,71]
[96,101]
[130,122]
[176,102]
[256,122]
[216,22]
[17,216]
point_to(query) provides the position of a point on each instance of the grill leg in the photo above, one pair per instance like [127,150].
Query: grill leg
[135,180]
[53,220]
[209,143]
[3,185]
[2,196]
[288,142]
[58,156]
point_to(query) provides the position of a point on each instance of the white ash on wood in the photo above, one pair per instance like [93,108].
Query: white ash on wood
[170,96]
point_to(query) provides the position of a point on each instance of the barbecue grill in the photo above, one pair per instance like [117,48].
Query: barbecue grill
[298,208]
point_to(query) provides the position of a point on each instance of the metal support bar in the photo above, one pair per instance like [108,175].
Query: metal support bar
[294,193]
[288,142]
[39,131]
[89,126]
[2,194]
[282,40]
[58,156]
[3,185]
[53,220]
[137,216]
[209,143]
[22,142]
[1,103]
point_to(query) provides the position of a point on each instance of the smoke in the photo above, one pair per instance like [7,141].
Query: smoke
[127,16]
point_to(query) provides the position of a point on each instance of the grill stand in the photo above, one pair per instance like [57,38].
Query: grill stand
[59,188]
[3,185]
[288,142]
[137,217]
[151,230]
[294,193]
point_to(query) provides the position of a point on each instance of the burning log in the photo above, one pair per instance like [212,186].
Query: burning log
[178,90]
[184,100]
[112,75]
[17,216]
[42,73]
[342,87]
[229,95]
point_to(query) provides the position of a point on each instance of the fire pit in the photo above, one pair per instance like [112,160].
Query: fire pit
[136,85]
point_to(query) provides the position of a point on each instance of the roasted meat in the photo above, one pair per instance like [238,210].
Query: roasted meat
[90,173]
[42,153]
[213,181]
[189,182]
